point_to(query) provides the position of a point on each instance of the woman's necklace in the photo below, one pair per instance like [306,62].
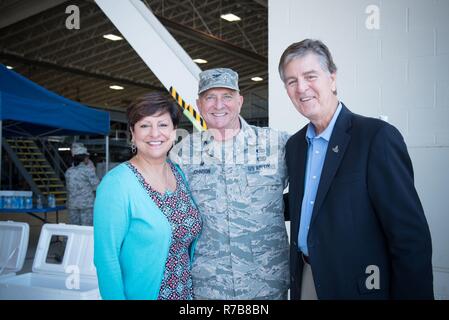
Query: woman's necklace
[159,182]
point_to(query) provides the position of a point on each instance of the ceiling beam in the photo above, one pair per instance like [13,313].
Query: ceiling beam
[90,74]
[263,3]
[212,41]
[20,10]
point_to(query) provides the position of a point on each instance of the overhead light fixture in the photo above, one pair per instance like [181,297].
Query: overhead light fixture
[230,17]
[9,67]
[115,87]
[112,37]
[58,139]
[200,61]
[63,149]
[256,79]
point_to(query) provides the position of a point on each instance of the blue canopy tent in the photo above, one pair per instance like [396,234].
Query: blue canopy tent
[27,109]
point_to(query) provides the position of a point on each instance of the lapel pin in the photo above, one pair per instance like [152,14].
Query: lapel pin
[335,149]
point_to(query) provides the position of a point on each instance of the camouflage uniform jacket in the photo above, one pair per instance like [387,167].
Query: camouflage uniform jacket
[238,186]
[81,182]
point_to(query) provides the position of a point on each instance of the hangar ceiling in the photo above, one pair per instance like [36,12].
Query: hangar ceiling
[81,64]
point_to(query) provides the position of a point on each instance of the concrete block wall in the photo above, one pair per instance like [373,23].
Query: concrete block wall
[400,70]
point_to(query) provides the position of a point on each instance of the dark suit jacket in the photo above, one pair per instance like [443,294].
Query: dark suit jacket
[366,212]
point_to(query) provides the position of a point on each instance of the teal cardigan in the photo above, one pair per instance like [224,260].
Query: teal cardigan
[132,238]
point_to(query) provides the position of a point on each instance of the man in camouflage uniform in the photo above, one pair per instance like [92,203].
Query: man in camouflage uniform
[81,182]
[237,175]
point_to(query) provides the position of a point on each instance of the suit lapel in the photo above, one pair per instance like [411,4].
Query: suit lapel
[300,171]
[335,153]
[298,165]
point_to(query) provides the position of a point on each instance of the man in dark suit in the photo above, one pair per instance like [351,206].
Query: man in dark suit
[358,229]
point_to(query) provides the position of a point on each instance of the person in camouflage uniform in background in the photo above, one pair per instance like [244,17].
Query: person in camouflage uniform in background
[237,174]
[81,182]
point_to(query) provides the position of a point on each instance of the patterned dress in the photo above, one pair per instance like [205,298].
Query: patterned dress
[185,222]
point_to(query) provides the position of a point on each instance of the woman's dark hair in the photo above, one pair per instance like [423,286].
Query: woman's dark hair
[77,159]
[153,103]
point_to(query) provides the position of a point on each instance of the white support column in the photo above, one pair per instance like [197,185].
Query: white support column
[106,167]
[155,45]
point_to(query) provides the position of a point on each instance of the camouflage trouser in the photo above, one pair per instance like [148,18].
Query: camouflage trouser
[81,217]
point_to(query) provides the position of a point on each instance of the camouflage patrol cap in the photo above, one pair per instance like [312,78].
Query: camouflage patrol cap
[218,78]
[78,148]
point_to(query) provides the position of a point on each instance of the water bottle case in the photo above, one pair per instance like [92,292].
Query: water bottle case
[12,199]
[51,201]
[39,202]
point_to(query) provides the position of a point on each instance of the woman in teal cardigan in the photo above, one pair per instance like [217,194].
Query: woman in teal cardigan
[145,220]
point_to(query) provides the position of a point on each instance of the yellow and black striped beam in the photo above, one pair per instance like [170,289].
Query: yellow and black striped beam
[194,117]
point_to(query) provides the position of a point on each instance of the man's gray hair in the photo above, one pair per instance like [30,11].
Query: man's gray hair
[304,47]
